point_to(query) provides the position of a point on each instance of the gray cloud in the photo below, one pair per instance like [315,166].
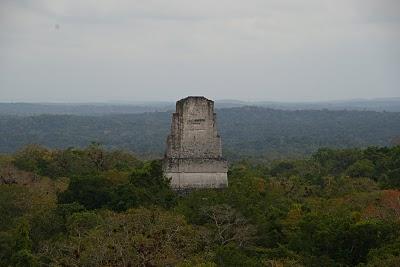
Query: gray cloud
[163,50]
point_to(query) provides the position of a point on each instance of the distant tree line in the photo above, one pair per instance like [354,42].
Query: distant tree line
[246,132]
[383,104]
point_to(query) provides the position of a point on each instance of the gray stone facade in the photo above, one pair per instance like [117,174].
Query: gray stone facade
[193,158]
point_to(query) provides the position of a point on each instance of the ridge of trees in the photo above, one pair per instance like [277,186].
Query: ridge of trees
[246,131]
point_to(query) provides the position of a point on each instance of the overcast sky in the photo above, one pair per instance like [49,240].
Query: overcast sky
[139,50]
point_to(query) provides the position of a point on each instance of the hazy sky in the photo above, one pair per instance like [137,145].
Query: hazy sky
[286,50]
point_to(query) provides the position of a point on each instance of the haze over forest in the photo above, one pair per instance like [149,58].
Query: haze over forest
[247,131]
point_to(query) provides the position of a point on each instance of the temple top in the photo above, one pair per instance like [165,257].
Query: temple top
[193,158]
[193,130]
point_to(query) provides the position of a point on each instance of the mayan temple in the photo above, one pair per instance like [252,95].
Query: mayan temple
[193,158]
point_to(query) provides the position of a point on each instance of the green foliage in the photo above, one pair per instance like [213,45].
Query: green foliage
[151,185]
[33,158]
[91,192]
[379,164]
[22,239]
[66,210]
[146,186]
[336,208]
[387,255]
[82,222]
[338,237]
[12,204]
[230,256]
[91,160]
[21,254]
[24,258]
[6,248]
[137,237]
[361,168]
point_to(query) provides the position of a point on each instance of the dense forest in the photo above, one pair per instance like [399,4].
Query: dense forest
[246,131]
[380,104]
[95,207]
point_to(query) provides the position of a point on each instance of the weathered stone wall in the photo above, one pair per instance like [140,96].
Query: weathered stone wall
[193,157]
[206,165]
[189,180]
